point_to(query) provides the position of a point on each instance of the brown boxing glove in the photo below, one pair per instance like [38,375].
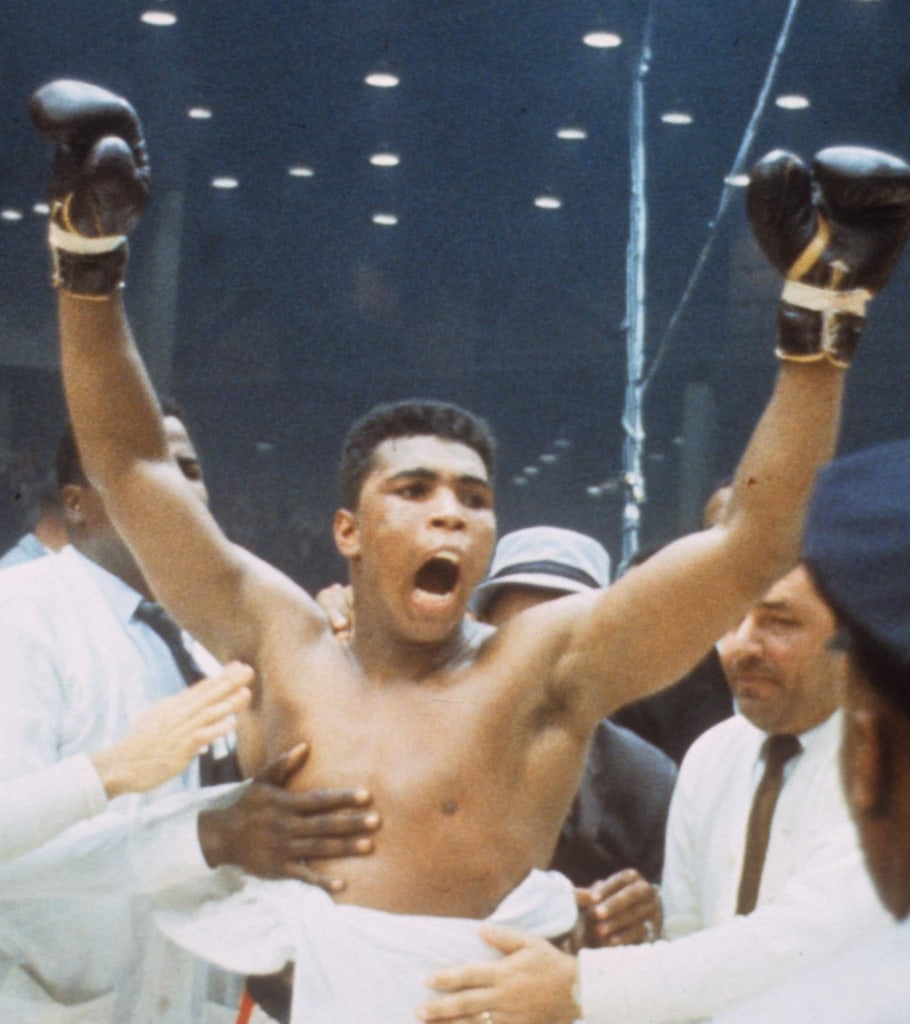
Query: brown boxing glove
[836,233]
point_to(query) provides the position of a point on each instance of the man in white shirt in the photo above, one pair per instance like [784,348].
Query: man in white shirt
[78,667]
[814,896]
[857,547]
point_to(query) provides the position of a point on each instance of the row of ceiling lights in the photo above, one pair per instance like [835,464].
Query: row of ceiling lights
[387,158]
[387,79]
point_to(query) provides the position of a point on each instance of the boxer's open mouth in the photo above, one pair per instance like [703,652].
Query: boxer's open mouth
[438,575]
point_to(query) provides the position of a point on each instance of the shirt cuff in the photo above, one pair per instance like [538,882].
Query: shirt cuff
[165,847]
[85,776]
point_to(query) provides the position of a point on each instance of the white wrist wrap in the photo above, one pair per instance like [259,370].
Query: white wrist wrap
[825,300]
[69,241]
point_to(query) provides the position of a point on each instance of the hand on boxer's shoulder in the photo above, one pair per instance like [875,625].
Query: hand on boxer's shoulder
[337,601]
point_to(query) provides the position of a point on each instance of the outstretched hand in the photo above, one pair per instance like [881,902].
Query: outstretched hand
[272,833]
[623,910]
[532,983]
[172,732]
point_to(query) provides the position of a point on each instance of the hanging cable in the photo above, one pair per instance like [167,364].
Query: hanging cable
[739,164]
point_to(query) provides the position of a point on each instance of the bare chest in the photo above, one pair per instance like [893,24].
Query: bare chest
[471,789]
[422,744]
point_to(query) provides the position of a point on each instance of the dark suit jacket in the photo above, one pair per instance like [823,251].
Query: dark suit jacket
[619,816]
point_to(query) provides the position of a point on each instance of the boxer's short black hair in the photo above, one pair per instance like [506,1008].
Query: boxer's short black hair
[409,418]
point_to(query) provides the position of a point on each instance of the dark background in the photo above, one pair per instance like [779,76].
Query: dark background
[277,311]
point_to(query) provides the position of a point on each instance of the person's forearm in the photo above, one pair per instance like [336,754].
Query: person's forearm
[111,400]
[36,807]
[141,852]
[795,436]
[702,973]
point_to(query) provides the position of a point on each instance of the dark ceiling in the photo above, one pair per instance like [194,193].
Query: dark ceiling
[277,311]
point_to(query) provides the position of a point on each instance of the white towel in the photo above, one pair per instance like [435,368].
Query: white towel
[353,965]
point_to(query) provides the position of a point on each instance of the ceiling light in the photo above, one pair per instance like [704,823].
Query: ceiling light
[676,117]
[571,133]
[519,481]
[199,113]
[10,214]
[224,181]
[530,471]
[159,18]
[602,40]
[382,79]
[385,159]
[548,458]
[42,209]
[737,180]
[301,171]
[792,101]
[385,219]
[548,202]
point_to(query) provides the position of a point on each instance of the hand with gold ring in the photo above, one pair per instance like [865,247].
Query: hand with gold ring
[531,983]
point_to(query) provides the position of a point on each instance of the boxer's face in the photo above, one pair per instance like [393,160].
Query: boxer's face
[423,533]
[779,663]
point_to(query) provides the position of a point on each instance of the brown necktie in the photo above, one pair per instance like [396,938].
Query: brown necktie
[777,751]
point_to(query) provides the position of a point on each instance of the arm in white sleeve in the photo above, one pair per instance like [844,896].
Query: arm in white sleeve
[33,701]
[36,807]
[828,905]
[679,882]
[144,851]
[137,846]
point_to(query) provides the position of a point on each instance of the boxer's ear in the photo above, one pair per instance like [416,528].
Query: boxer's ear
[346,531]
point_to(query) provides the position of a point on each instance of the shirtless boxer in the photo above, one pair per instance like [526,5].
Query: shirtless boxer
[470,741]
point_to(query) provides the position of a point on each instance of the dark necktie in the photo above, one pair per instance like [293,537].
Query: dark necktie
[154,616]
[212,770]
[777,751]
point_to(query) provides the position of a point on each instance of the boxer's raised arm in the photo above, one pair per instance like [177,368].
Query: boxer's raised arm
[99,188]
[835,232]
[200,577]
